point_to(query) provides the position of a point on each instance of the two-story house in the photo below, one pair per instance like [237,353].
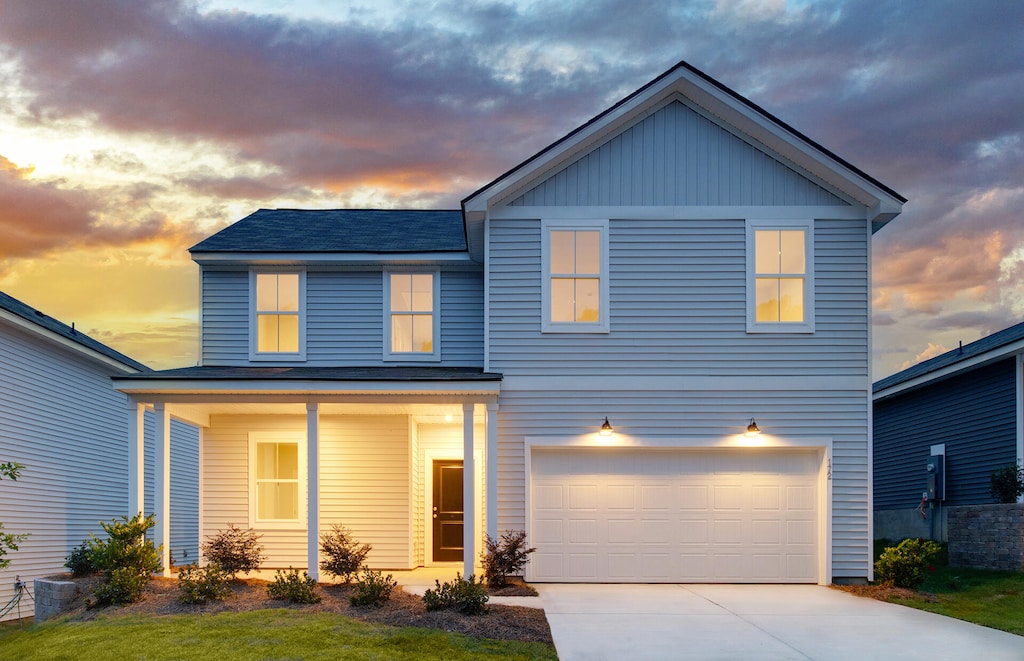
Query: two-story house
[646,345]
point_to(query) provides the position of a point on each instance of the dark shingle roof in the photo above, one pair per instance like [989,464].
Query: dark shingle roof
[976,348]
[28,313]
[341,230]
[213,373]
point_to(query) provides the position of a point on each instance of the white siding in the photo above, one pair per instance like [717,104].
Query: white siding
[184,487]
[344,319]
[61,417]
[676,156]
[364,483]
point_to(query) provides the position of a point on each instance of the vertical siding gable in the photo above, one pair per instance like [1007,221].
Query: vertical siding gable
[676,156]
[973,413]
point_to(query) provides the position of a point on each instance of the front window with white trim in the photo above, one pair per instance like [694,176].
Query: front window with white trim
[780,278]
[277,314]
[411,320]
[277,478]
[574,290]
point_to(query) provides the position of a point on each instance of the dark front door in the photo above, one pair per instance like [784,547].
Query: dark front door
[447,513]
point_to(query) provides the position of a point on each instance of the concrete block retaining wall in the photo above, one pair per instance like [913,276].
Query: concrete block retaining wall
[52,597]
[987,536]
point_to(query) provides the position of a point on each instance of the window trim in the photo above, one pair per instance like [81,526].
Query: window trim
[412,356]
[299,438]
[547,325]
[805,326]
[254,353]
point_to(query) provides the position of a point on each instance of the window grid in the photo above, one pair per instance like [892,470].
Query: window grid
[277,312]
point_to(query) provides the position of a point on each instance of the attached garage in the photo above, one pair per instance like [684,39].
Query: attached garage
[723,515]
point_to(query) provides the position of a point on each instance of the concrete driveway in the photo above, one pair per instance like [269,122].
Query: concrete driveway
[638,622]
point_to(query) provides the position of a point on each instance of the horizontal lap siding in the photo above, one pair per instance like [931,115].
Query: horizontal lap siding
[364,483]
[973,414]
[676,156]
[225,317]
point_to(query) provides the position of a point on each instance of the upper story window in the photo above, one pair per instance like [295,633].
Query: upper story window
[278,322]
[574,291]
[780,278]
[277,473]
[411,324]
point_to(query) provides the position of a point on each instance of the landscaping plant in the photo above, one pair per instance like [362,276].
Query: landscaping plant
[1007,483]
[505,557]
[234,550]
[126,558]
[903,565]
[201,584]
[372,589]
[343,555]
[78,561]
[296,589]
[467,596]
[9,541]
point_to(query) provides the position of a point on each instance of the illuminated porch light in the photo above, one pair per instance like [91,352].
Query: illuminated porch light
[606,428]
[752,429]
[448,418]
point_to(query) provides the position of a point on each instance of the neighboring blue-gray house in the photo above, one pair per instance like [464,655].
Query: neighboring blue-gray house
[581,352]
[61,417]
[966,405]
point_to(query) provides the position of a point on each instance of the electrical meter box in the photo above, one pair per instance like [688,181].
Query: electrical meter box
[936,477]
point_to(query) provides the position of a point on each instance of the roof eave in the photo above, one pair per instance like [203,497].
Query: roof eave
[313,257]
[56,338]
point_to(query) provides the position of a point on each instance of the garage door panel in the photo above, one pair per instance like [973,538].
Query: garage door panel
[593,520]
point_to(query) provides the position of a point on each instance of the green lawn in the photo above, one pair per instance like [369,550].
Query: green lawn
[266,634]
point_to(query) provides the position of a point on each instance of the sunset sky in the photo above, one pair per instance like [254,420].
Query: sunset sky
[131,129]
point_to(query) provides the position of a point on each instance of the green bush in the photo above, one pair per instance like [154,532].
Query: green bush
[126,558]
[372,588]
[1006,484]
[296,589]
[234,550]
[904,565]
[343,555]
[464,595]
[505,557]
[201,584]
[78,561]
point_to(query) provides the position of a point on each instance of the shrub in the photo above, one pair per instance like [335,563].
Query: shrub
[344,556]
[234,550]
[372,589]
[78,561]
[505,557]
[464,595]
[126,558]
[1007,483]
[201,584]
[296,589]
[903,565]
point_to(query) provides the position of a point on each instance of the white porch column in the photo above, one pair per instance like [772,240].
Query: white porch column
[136,457]
[313,484]
[492,469]
[162,485]
[469,532]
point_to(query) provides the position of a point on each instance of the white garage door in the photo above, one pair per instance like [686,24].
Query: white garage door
[740,515]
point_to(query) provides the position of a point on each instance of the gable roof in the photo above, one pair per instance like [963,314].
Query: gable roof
[729,106]
[1007,342]
[340,231]
[64,334]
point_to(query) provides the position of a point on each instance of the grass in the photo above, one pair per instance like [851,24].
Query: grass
[990,598]
[265,634]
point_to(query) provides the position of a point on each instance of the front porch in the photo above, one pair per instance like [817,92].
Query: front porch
[291,456]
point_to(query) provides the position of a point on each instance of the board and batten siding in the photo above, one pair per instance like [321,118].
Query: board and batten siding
[344,319]
[676,156]
[364,483]
[973,413]
[677,313]
[61,417]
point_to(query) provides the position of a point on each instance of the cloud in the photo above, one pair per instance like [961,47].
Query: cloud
[930,351]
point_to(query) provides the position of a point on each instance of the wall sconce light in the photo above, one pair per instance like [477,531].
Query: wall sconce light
[606,428]
[752,429]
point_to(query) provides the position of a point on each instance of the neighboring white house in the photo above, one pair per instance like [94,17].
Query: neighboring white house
[677,267]
[61,417]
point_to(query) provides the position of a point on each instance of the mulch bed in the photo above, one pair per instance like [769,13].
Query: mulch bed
[883,592]
[403,610]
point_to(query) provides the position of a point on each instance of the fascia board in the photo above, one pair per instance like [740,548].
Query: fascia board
[49,336]
[306,387]
[289,258]
[980,360]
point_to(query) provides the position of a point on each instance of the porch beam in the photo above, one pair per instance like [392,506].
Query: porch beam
[491,459]
[201,397]
[136,457]
[469,532]
[313,488]
[162,485]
